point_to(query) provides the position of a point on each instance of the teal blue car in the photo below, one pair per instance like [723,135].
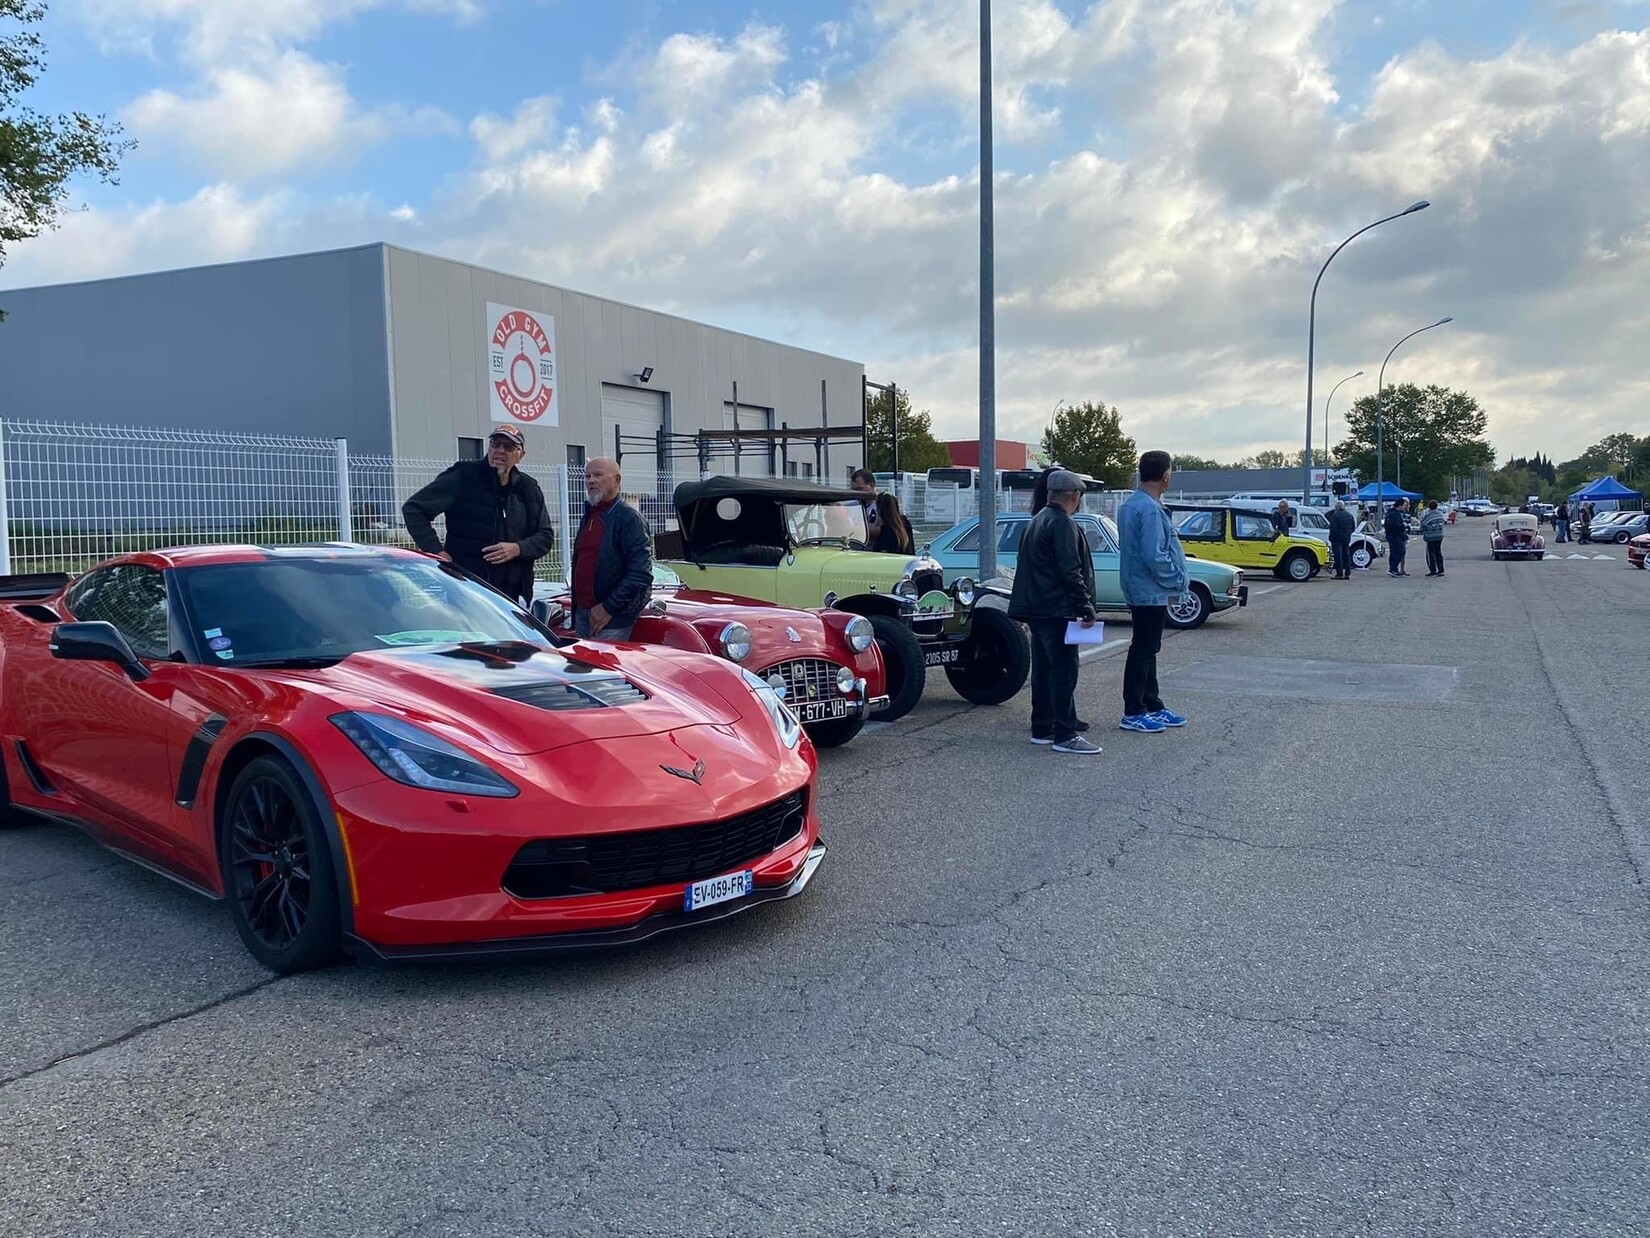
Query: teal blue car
[1214,586]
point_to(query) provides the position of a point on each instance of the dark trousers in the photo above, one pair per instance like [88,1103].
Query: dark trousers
[1053,681]
[1340,555]
[1140,671]
[1563,527]
[1435,558]
[613,631]
[1395,551]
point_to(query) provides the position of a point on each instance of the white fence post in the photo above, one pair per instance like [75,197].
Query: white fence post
[5,511]
[346,529]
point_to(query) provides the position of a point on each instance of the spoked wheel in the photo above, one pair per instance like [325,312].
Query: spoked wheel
[1191,610]
[277,869]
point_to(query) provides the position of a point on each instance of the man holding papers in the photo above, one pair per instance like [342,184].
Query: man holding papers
[1054,585]
[1153,570]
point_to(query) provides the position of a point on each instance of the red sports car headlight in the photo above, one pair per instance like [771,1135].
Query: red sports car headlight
[411,755]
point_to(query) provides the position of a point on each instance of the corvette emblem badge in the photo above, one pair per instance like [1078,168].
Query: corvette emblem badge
[791,635]
[696,775]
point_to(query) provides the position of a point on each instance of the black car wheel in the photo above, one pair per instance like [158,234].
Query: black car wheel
[1622,537]
[277,869]
[1192,611]
[835,733]
[996,660]
[902,659]
[1362,556]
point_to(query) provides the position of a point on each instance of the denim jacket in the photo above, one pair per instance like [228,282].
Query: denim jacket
[1151,565]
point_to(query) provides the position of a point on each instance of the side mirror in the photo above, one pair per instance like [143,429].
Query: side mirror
[550,614]
[96,642]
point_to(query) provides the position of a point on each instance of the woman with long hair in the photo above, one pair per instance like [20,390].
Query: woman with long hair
[893,535]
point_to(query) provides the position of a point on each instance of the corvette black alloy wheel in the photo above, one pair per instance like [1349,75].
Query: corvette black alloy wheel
[277,870]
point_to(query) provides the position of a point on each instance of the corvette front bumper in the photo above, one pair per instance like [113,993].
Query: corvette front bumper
[558,943]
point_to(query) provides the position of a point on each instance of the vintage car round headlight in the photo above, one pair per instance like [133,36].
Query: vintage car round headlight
[906,588]
[736,642]
[860,633]
[963,590]
[844,681]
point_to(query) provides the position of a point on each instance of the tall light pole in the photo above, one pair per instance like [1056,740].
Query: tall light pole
[988,320]
[1380,416]
[1312,331]
[1326,405]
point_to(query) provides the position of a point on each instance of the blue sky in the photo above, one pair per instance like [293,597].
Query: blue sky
[1171,172]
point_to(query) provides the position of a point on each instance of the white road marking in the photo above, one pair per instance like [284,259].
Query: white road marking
[1611,558]
[1577,556]
[1260,593]
[1094,651]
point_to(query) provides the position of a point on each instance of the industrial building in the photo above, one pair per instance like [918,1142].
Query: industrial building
[415,356]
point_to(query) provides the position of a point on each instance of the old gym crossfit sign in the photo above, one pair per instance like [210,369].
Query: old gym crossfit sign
[521,366]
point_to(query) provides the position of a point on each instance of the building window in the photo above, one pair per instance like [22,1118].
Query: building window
[575,456]
[469,448]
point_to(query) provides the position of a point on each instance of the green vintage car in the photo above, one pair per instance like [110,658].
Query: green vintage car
[795,543]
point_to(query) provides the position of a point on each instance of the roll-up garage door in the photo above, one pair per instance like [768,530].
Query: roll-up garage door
[636,415]
[756,457]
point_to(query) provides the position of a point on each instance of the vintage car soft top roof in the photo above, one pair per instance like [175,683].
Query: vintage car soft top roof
[1516,520]
[774,489]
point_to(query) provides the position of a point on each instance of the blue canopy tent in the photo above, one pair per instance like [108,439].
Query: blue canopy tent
[1605,487]
[1386,492]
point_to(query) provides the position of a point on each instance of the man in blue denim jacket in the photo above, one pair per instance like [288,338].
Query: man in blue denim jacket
[1152,568]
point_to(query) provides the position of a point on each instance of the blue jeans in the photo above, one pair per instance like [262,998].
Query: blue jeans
[1395,554]
[1563,530]
[613,631]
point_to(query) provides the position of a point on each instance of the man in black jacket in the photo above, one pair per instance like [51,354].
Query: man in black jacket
[498,524]
[612,573]
[1341,527]
[1396,527]
[1053,585]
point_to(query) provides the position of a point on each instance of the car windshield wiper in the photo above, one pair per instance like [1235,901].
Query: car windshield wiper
[306,662]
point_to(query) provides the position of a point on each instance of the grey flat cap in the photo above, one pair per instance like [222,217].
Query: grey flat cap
[1064,481]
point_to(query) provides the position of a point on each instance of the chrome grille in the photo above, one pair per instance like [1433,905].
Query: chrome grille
[806,679]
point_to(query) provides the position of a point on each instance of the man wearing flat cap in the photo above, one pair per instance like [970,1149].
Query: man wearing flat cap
[1054,585]
[498,524]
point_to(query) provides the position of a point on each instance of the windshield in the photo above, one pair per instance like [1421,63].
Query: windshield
[326,609]
[815,524]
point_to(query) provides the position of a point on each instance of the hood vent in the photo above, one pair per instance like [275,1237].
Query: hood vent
[590,694]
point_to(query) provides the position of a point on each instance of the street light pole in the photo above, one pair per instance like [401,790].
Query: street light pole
[1380,417]
[1326,405]
[1312,332]
[988,321]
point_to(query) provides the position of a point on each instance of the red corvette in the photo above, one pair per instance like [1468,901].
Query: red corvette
[364,750]
[824,664]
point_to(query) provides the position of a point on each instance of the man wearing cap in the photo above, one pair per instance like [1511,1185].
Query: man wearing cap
[1053,585]
[612,558]
[498,524]
[1152,569]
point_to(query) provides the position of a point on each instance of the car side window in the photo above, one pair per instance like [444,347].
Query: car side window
[1098,542]
[1255,528]
[1200,525]
[130,596]
[969,542]
[1013,532]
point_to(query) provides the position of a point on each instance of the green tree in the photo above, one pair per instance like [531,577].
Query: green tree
[1188,464]
[1267,460]
[1513,486]
[919,450]
[1320,458]
[1089,437]
[1439,433]
[40,154]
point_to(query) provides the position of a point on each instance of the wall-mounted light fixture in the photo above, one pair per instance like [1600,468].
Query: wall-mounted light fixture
[646,375]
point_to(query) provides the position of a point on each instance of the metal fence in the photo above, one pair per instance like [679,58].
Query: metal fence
[72,495]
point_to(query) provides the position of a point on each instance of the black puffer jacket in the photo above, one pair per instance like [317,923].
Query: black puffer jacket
[481,513]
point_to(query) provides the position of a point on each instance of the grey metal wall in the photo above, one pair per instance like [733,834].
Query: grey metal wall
[438,350]
[282,346]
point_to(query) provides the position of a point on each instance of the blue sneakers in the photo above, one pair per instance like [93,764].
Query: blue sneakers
[1145,723]
[1169,718]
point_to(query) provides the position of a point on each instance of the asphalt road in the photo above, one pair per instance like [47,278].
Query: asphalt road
[1363,950]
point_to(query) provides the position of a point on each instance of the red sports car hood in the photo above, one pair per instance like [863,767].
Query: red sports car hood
[524,699]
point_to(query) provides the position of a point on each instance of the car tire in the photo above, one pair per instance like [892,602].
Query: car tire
[902,659]
[277,869]
[1193,612]
[1362,557]
[996,660]
[1621,538]
[1297,566]
[835,733]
